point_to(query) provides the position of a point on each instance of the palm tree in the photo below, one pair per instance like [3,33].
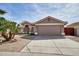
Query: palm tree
[2,19]
[4,24]
[2,12]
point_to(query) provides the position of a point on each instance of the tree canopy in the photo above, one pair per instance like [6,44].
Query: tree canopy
[6,24]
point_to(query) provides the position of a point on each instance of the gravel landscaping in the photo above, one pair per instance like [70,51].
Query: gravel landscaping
[14,46]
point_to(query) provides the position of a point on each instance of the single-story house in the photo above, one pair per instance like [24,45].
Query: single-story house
[46,26]
[76,28]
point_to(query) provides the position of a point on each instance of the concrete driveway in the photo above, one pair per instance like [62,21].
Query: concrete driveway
[52,45]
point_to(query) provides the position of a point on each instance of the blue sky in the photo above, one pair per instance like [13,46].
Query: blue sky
[33,12]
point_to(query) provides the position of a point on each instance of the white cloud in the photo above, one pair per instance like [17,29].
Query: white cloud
[67,12]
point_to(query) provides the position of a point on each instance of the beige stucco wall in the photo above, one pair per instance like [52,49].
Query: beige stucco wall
[50,24]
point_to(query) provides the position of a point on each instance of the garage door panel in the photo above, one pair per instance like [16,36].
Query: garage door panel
[48,30]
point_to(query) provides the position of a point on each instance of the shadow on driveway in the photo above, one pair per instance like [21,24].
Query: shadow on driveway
[43,37]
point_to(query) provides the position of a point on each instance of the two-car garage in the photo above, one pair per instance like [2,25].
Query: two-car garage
[49,30]
[50,26]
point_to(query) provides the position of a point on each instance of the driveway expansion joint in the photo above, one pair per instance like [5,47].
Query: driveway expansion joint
[58,48]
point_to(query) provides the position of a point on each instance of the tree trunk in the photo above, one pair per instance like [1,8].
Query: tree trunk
[8,36]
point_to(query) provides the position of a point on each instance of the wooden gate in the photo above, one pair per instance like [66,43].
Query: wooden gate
[69,31]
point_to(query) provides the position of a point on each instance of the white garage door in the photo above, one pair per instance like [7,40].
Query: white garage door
[48,30]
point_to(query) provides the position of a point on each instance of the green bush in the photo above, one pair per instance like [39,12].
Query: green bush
[7,24]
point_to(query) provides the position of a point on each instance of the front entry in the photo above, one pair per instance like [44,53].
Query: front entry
[26,29]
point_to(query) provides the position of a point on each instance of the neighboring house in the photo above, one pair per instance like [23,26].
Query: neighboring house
[46,26]
[75,26]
